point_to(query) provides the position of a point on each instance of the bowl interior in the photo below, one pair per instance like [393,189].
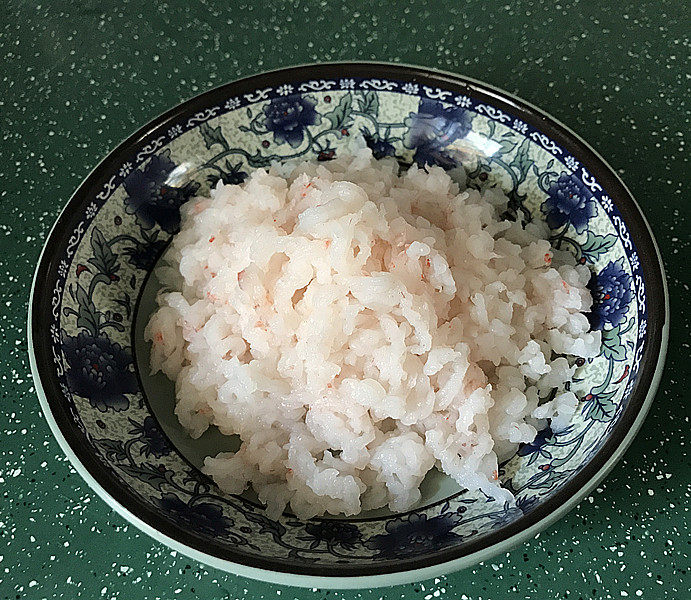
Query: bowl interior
[97,292]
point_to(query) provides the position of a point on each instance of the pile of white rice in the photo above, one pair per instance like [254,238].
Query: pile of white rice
[357,328]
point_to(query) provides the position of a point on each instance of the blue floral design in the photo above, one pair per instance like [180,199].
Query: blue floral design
[506,516]
[510,513]
[202,516]
[433,129]
[380,146]
[415,534]
[537,446]
[334,533]
[612,294]
[568,202]
[151,200]
[527,503]
[99,370]
[143,256]
[288,118]
[153,441]
[230,175]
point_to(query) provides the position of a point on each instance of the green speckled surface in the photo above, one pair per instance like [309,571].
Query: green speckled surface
[75,81]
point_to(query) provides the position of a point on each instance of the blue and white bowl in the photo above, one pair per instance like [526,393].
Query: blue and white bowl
[92,295]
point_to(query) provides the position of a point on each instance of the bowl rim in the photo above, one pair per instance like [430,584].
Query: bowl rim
[405,570]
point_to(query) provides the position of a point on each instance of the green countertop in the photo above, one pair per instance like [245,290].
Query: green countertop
[76,81]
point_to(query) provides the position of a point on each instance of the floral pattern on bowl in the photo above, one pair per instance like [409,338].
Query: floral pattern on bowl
[123,227]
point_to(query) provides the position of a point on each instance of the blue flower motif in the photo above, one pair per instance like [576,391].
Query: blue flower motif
[536,447]
[202,516]
[231,175]
[144,255]
[99,370]
[527,503]
[379,146]
[288,117]
[428,154]
[334,533]
[504,517]
[433,129]
[510,512]
[152,438]
[568,202]
[612,294]
[151,200]
[415,534]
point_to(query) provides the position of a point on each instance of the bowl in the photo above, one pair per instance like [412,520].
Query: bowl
[92,295]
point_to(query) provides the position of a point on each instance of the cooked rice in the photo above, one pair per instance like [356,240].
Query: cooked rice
[357,328]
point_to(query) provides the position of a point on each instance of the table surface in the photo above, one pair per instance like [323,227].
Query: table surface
[76,80]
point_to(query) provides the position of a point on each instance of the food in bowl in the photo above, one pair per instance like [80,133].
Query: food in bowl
[357,327]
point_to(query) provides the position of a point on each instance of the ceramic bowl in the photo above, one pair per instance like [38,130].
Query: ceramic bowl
[92,295]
